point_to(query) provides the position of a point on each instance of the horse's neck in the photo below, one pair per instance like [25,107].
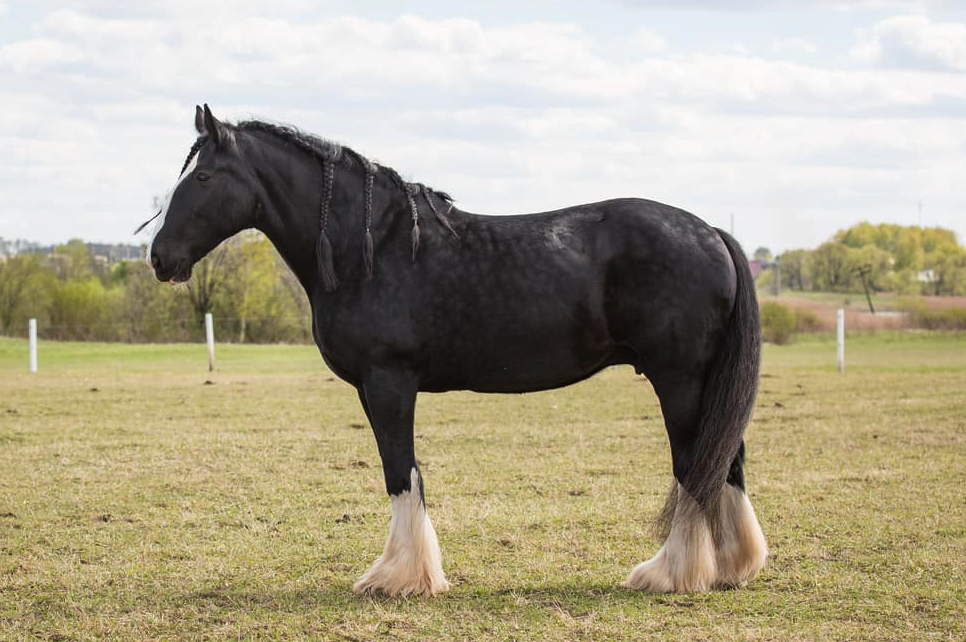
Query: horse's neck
[290,189]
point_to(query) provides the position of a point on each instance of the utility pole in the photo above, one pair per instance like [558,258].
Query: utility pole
[778,275]
[864,271]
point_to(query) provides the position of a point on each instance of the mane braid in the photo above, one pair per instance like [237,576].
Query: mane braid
[201,140]
[328,154]
[367,250]
[410,192]
[324,249]
[428,195]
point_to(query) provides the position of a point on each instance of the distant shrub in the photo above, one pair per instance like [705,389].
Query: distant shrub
[949,319]
[924,318]
[807,321]
[778,322]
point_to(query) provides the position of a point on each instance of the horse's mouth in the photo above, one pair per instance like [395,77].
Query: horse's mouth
[182,273]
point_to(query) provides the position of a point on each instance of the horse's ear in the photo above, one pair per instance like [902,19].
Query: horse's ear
[213,128]
[199,119]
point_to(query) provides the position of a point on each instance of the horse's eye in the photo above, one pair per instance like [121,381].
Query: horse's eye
[202,176]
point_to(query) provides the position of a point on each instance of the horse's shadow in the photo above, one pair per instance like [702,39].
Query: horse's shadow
[571,598]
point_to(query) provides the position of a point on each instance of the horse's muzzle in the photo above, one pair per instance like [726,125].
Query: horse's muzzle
[163,270]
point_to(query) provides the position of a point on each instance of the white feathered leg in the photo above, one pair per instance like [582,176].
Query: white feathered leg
[411,563]
[692,561]
[741,550]
[686,562]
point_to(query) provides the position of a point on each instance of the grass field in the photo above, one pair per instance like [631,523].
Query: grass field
[142,498]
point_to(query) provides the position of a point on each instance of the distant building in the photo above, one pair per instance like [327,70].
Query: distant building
[18,246]
[104,252]
[756,266]
[117,252]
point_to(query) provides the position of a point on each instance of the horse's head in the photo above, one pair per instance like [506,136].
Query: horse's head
[213,199]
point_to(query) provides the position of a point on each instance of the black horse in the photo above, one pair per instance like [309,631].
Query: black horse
[411,294]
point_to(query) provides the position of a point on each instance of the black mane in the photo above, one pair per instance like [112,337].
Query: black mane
[330,154]
[330,151]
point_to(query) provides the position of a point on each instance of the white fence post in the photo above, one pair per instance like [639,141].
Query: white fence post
[32,340]
[841,338]
[210,338]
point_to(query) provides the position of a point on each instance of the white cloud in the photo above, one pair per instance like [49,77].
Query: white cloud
[649,41]
[913,42]
[717,79]
[738,48]
[794,47]
[509,117]
[779,5]
[30,56]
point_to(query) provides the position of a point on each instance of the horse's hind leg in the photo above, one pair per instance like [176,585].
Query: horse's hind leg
[705,547]
[741,548]
[410,563]
[687,561]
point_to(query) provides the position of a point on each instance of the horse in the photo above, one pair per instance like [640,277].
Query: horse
[410,294]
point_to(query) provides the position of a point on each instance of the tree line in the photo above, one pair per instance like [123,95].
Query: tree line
[254,297]
[74,295]
[905,260]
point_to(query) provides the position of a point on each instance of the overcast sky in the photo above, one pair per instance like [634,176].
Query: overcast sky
[800,118]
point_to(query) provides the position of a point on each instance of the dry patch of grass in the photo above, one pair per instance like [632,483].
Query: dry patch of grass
[823,307]
[143,499]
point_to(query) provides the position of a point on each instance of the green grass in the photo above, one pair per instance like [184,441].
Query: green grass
[143,498]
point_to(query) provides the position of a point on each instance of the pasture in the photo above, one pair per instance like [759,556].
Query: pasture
[142,498]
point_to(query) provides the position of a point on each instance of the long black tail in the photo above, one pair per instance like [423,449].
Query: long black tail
[729,392]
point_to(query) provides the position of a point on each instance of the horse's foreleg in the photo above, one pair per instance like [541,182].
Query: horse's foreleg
[410,563]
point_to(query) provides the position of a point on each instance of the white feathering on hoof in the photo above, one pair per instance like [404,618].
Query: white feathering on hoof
[410,563]
[691,561]
[686,563]
[742,550]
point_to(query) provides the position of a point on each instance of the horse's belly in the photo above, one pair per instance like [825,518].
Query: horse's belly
[518,360]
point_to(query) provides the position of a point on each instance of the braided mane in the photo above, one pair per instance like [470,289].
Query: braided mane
[329,151]
[330,154]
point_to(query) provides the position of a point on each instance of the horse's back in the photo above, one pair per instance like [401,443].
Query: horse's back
[541,300]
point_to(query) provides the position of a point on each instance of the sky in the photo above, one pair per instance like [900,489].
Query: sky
[785,120]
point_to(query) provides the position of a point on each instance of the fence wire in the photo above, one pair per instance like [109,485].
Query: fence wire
[171,330]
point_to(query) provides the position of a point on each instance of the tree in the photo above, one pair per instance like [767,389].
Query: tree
[763,254]
[254,282]
[948,264]
[209,276]
[872,262]
[145,310]
[262,301]
[797,270]
[73,261]
[23,291]
[78,309]
[832,271]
